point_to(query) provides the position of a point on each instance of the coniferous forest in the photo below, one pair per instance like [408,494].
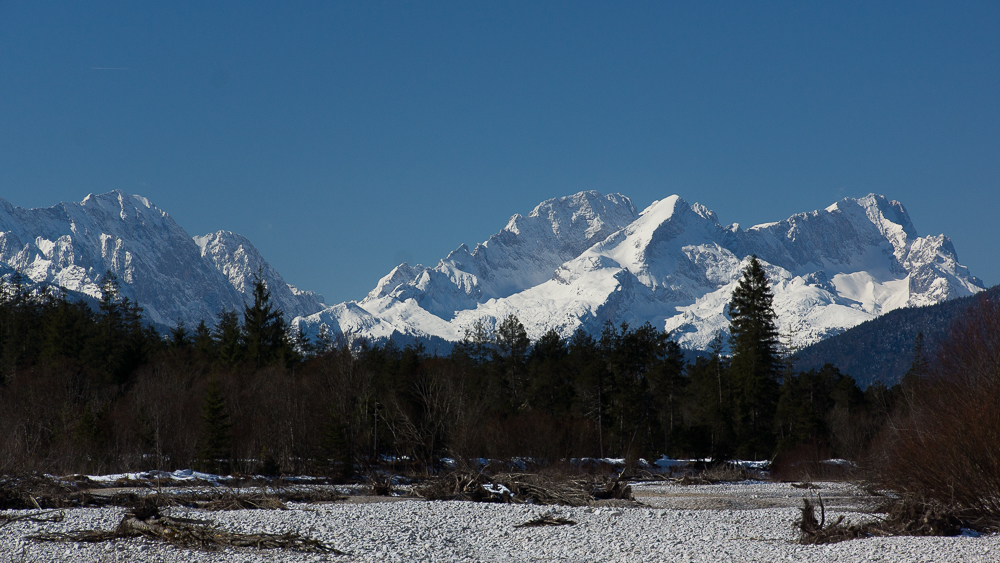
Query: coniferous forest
[94,389]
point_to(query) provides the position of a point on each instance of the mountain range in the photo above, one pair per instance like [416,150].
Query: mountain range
[572,263]
[175,277]
[579,261]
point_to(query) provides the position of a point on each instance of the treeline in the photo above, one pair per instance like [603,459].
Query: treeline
[87,390]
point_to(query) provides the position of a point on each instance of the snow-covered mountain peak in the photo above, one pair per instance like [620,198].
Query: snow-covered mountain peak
[525,253]
[400,275]
[651,233]
[704,212]
[127,207]
[589,213]
[888,217]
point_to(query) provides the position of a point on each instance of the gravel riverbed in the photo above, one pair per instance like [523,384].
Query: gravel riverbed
[729,522]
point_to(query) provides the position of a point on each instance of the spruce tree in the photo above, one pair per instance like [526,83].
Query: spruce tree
[324,341]
[755,361]
[202,341]
[264,330]
[476,344]
[228,338]
[550,379]
[215,442]
[179,335]
[512,344]
[919,363]
[918,369]
[591,375]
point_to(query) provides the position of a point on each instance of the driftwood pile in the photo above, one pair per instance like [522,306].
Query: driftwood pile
[33,491]
[523,488]
[28,491]
[902,517]
[147,522]
[815,531]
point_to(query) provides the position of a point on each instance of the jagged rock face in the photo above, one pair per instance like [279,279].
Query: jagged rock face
[579,261]
[239,261]
[158,265]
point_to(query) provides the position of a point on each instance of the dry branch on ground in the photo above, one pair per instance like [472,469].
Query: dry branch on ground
[36,517]
[147,522]
[547,520]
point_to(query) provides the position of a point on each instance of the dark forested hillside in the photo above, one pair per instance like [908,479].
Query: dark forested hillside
[881,349]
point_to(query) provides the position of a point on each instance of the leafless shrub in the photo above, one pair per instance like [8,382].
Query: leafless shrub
[166,407]
[33,490]
[811,464]
[726,473]
[381,484]
[941,447]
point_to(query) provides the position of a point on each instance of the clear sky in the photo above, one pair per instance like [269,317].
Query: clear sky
[343,138]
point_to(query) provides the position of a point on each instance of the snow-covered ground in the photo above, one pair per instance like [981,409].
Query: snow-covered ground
[750,521]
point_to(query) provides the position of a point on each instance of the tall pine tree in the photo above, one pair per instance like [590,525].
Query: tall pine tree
[756,361]
[512,345]
[228,339]
[265,332]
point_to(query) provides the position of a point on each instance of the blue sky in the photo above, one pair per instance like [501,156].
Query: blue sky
[344,138]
